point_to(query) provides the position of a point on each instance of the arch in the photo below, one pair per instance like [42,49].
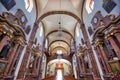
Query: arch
[58,47]
[57,31]
[59,40]
[59,12]
[63,60]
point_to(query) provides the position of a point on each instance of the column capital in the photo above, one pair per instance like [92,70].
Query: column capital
[8,34]
[19,40]
[98,43]
[107,37]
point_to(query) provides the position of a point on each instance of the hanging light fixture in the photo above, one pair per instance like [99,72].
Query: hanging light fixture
[59,23]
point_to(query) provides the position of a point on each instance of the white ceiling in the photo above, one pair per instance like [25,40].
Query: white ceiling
[59,21]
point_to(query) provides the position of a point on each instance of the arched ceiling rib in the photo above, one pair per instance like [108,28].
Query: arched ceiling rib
[59,48]
[59,15]
[57,41]
[60,44]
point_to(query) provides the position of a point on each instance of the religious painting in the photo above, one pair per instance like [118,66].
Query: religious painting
[108,5]
[8,4]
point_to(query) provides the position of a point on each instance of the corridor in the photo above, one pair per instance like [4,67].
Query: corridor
[59,39]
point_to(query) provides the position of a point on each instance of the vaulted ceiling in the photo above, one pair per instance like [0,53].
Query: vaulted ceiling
[60,19]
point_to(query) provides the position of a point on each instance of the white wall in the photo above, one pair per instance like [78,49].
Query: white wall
[74,66]
[39,38]
[43,68]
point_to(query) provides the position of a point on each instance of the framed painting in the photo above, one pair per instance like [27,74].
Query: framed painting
[8,4]
[109,5]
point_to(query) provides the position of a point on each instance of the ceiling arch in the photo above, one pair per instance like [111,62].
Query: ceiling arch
[59,40]
[67,13]
[59,44]
[57,60]
[58,12]
[61,31]
[59,48]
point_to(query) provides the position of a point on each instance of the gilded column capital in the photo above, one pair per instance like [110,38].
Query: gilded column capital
[99,41]
[108,36]
[6,32]
[115,32]
[19,40]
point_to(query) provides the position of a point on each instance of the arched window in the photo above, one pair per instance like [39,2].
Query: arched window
[41,31]
[89,5]
[59,51]
[77,32]
[29,5]
[46,43]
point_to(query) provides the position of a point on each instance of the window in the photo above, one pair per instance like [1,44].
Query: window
[59,75]
[27,30]
[77,31]
[89,6]
[46,43]
[41,31]
[90,31]
[29,5]
[82,41]
[35,40]
[59,51]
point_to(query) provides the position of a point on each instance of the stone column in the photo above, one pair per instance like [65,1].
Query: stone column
[105,58]
[34,66]
[117,35]
[14,59]
[78,67]
[83,66]
[101,56]
[88,44]
[39,67]
[3,41]
[114,45]
[98,62]
[23,68]
[12,55]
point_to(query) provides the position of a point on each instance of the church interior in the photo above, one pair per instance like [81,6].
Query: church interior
[59,39]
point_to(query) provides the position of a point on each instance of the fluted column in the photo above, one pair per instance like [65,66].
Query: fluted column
[114,45]
[12,55]
[105,57]
[3,41]
[117,35]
